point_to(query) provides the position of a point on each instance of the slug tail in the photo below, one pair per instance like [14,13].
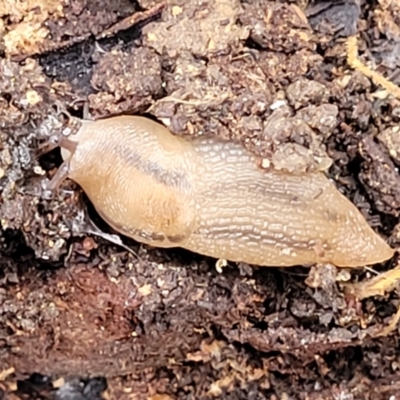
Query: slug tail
[272,218]
[356,244]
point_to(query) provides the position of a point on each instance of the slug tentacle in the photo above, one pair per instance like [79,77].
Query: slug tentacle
[209,196]
[69,147]
[58,178]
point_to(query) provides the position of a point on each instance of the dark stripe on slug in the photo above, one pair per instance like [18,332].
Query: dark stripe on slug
[146,235]
[176,238]
[155,237]
[149,236]
[169,178]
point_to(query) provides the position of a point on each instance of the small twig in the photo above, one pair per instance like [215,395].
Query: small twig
[355,63]
[132,20]
[93,229]
[372,271]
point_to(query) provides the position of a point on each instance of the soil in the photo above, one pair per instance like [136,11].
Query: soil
[84,318]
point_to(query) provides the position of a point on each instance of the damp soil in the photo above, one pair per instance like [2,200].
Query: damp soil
[84,318]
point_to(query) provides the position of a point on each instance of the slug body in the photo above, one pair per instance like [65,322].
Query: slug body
[210,197]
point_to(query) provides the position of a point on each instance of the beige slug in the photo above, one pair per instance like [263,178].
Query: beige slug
[210,197]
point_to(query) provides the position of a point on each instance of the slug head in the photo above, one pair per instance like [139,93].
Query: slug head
[67,141]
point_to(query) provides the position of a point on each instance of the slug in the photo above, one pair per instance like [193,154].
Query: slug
[210,197]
